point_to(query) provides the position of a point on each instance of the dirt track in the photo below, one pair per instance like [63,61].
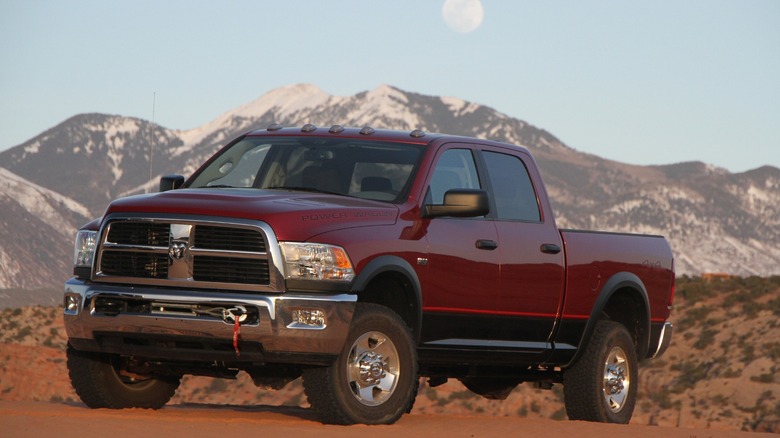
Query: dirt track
[32,419]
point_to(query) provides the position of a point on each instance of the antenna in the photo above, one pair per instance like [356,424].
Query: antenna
[151,144]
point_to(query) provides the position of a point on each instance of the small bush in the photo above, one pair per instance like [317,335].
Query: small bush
[772,350]
[748,353]
[559,415]
[694,316]
[662,399]
[217,385]
[764,378]
[463,395]
[690,374]
[706,338]
[23,333]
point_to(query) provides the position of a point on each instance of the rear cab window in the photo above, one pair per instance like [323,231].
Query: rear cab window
[513,191]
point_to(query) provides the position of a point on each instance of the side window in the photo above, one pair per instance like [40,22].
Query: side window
[514,194]
[454,170]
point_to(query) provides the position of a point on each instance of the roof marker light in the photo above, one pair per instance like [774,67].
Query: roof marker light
[367,130]
[335,129]
[308,128]
[274,127]
[417,133]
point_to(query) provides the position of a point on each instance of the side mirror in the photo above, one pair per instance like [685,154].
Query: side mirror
[171,182]
[460,203]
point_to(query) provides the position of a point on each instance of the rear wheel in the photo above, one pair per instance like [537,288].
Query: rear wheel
[103,381]
[602,385]
[374,380]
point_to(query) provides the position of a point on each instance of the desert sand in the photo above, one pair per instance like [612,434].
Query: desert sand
[39,419]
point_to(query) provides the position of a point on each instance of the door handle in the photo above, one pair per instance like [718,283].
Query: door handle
[550,248]
[488,245]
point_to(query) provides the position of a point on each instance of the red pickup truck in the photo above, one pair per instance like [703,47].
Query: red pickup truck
[361,260]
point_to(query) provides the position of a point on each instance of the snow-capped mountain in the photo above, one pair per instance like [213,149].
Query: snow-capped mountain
[716,221]
[93,157]
[37,226]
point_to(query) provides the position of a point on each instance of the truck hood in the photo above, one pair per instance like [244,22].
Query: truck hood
[293,215]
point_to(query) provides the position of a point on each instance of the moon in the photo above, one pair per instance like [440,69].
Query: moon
[463,16]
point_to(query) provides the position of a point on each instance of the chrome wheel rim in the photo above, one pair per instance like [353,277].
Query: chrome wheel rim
[373,368]
[617,379]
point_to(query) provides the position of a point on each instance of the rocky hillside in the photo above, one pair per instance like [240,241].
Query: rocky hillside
[721,372]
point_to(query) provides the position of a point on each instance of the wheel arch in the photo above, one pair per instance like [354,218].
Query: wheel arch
[392,272]
[623,299]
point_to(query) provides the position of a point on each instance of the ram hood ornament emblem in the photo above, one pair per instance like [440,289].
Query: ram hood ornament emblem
[177,249]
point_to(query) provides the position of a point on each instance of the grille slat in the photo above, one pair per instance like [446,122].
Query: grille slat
[228,239]
[139,249]
[134,264]
[231,270]
[139,233]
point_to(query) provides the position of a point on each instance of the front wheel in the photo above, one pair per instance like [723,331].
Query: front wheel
[103,381]
[602,385]
[374,380]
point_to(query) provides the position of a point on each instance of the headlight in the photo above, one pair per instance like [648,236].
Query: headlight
[84,252]
[316,261]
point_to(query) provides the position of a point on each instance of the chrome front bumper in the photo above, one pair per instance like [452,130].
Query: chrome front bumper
[97,312]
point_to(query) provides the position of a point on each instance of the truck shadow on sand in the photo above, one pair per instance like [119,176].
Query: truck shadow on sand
[222,410]
[287,411]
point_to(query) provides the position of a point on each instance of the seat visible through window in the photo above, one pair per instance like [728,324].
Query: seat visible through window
[322,178]
[376,184]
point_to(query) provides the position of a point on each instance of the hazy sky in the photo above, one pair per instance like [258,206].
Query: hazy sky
[646,82]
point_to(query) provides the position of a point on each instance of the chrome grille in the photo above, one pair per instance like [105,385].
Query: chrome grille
[184,253]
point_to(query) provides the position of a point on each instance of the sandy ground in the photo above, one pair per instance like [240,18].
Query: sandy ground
[37,419]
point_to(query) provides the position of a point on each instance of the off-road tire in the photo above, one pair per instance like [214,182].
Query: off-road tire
[602,385]
[359,386]
[98,383]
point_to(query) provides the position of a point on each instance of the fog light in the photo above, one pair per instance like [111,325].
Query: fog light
[72,304]
[308,319]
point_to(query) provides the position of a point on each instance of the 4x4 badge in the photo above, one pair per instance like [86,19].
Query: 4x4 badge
[176,249]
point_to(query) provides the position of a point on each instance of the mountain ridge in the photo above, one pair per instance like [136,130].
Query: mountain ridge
[716,221]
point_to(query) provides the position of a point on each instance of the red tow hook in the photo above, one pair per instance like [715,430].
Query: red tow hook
[237,314]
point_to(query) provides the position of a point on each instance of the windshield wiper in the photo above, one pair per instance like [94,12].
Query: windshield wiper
[219,186]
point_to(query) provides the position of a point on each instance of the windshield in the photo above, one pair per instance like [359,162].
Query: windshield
[352,167]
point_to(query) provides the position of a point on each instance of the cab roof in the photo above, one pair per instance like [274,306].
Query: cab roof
[416,136]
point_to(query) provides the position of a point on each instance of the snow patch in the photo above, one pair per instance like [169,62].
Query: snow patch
[384,107]
[126,126]
[40,201]
[32,148]
[385,92]
[115,156]
[713,169]
[453,103]
[627,206]
[284,101]
[11,270]
[757,195]
[460,107]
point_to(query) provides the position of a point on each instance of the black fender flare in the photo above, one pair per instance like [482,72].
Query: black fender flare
[390,263]
[619,281]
